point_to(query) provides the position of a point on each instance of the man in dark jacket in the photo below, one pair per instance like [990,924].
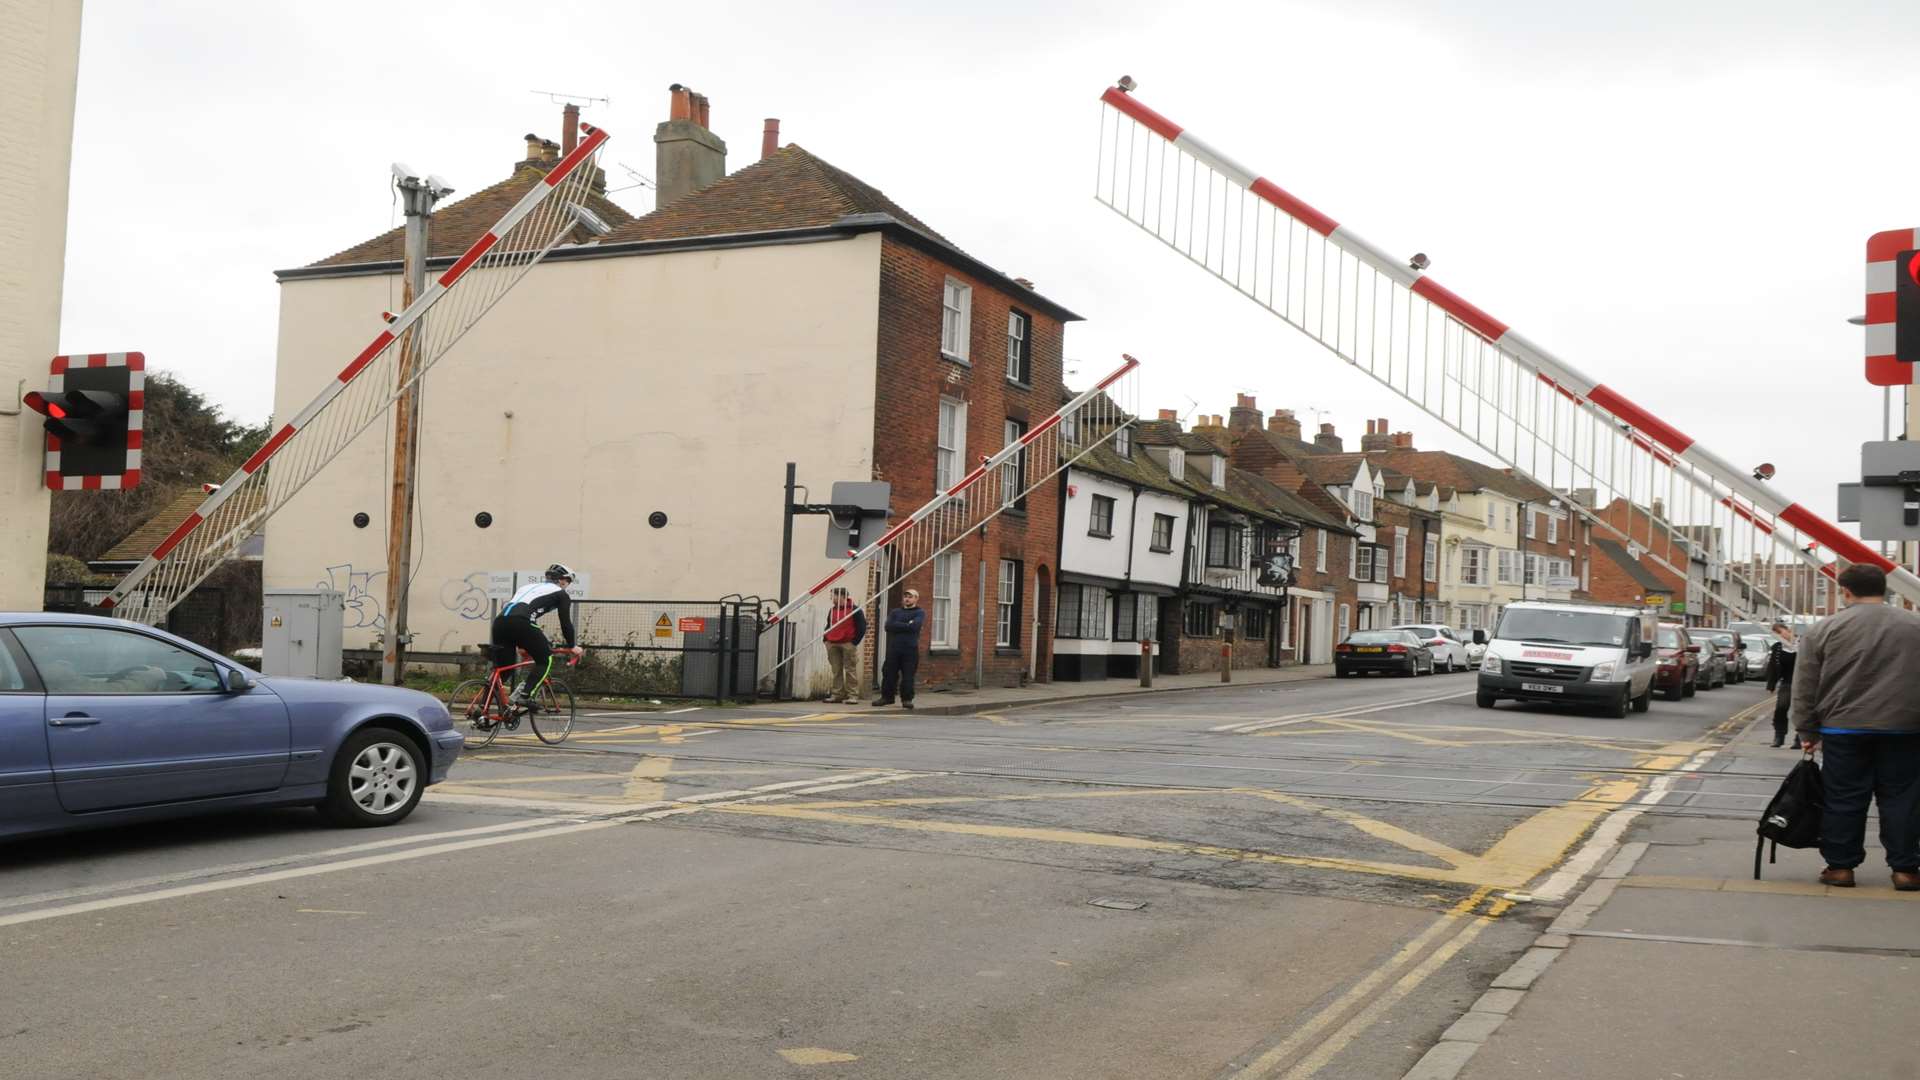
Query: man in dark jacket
[846,628]
[1856,698]
[1780,673]
[903,650]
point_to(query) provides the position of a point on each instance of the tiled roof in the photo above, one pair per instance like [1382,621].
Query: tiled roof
[788,189]
[1256,488]
[1640,574]
[459,223]
[137,545]
[1138,469]
[1458,472]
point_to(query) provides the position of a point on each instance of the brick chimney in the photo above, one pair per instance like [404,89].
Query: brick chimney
[1170,414]
[687,156]
[770,137]
[569,128]
[1329,440]
[1376,438]
[1245,415]
[1284,424]
[1403,440]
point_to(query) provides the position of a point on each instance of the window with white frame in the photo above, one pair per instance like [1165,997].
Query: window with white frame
[1380,564]
[1533,523]
[1507,568]
[1219,471]
[950,444]
[1226,544]
[1362,502]
[1019,348]
[1399,554]
[1177,463]
[1506,518]
[1490,513]
[1083,613]
[1353,559]
[1553,528]
[1007,628]
[1013,472]
[956,314]
[1123,441]
[946,593]
[1473,566]
[1430,560]
[1320,557]
[1346,621]
[1533,570]
[1364,559]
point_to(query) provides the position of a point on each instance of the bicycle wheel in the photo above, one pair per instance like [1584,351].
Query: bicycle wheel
[553,720]
[472,713]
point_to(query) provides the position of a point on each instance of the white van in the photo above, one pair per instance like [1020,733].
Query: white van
[1585,654]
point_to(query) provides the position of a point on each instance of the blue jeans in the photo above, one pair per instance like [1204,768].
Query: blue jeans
[1863,768]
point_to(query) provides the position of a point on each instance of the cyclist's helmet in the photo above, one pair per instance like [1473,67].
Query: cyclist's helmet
[560,570]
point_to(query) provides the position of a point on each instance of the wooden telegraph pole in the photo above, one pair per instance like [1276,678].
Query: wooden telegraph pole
[418,195]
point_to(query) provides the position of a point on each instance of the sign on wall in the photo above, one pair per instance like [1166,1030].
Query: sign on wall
[502,584]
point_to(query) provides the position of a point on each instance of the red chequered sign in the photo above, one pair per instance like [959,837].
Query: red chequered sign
[1884,267]
[691,625]
[123,372]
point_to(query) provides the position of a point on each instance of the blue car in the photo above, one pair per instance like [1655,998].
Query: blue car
[106,722]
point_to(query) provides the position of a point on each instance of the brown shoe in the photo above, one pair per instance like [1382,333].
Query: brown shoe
[1838,877]
[1906,880]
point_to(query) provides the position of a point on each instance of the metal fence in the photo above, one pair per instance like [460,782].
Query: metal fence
[668,648]
[209,615]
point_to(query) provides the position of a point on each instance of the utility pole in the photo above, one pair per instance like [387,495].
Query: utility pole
[418,196]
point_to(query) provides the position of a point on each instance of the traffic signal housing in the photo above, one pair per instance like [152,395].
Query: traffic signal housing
[1906,307]
[94,407]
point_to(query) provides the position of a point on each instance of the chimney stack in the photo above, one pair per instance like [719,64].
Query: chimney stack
[569,128]
[1170,414]
[1284,424]
[1329,440]
[770,137]
[1376,438]
[687,156]
[1245,415]
[1403,440]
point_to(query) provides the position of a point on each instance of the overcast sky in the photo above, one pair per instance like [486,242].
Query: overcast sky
[1673,195]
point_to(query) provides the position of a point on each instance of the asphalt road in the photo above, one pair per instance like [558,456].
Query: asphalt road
[1304,879]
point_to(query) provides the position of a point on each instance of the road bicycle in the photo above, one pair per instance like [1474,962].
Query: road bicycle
[483,706]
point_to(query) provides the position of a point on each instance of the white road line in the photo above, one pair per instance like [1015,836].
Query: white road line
[1357,710]
[506,833]
[265,864]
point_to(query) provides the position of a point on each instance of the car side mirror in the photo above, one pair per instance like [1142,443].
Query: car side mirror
[236,680]
[1479,637]
[1643,650]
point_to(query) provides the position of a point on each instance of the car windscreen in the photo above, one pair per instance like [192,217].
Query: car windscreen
[1564,627]
[1755,644]
[1378,637]
[1668,639]
[1423,631]
[1725,641]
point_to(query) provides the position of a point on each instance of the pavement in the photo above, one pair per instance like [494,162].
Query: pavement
[1676,962]
[1295,877]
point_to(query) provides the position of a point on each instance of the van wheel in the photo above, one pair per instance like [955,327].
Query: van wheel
[1644,701]
[1484,699]
[1618,710]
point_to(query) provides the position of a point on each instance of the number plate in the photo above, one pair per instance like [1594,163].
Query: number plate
[1543,688]
[1364,648]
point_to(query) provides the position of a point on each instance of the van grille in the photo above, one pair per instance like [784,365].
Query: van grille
[1533,669]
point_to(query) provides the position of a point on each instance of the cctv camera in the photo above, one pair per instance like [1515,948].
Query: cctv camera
[1127,84]
[1763,471]
[439,186]
[403,171]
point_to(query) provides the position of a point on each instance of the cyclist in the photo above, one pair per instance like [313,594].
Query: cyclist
[514,629]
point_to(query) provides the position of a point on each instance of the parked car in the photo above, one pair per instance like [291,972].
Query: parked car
[1754,652]
[107,722]
[1584,654]
[1449,652]
[1731,646]
[1712,673]
[1676,662]
[1401,652]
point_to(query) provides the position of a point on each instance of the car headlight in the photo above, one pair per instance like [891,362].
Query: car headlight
[1603,672]
[1490,665]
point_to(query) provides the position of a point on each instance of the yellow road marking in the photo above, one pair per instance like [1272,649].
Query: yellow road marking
[647,782]
[1287,1047]
[815,1055]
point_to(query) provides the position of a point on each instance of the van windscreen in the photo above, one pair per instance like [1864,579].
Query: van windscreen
[1567,627]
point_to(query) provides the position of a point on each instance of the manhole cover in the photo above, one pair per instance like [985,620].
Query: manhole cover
[1118,903]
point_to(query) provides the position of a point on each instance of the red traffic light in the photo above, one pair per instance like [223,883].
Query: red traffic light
[1913,268]
[41,404]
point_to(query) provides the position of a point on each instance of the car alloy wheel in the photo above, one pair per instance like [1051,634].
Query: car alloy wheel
[382,778]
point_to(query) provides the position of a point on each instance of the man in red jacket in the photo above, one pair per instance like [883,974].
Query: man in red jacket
[846,628]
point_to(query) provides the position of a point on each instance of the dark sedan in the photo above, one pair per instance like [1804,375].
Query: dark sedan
[1401,652]
[107,722]
[1732,648]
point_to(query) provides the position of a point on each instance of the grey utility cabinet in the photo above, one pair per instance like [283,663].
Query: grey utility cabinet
[300,633]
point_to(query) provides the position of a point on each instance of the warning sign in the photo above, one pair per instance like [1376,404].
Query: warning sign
[692,625]
[663,626]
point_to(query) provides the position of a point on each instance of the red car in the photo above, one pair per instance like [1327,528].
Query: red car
[1676,661]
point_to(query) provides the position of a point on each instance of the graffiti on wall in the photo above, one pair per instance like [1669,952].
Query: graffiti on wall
[362,603]
[467,597]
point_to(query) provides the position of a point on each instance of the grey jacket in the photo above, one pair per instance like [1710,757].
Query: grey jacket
[1859,670]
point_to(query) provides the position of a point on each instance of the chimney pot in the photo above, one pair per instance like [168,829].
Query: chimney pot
[680,106]
[1245,401]
[1382,429]
[1169,414]
[533,147]
[770,137]
[1326,429]
[700,110]
[1284,424]
[1328,439]
[569,127]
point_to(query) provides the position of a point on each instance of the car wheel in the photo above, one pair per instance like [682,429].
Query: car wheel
[1484,699]
[1675,693]
[1644,701]
[377,779]
[1692,687]
[1339,672]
